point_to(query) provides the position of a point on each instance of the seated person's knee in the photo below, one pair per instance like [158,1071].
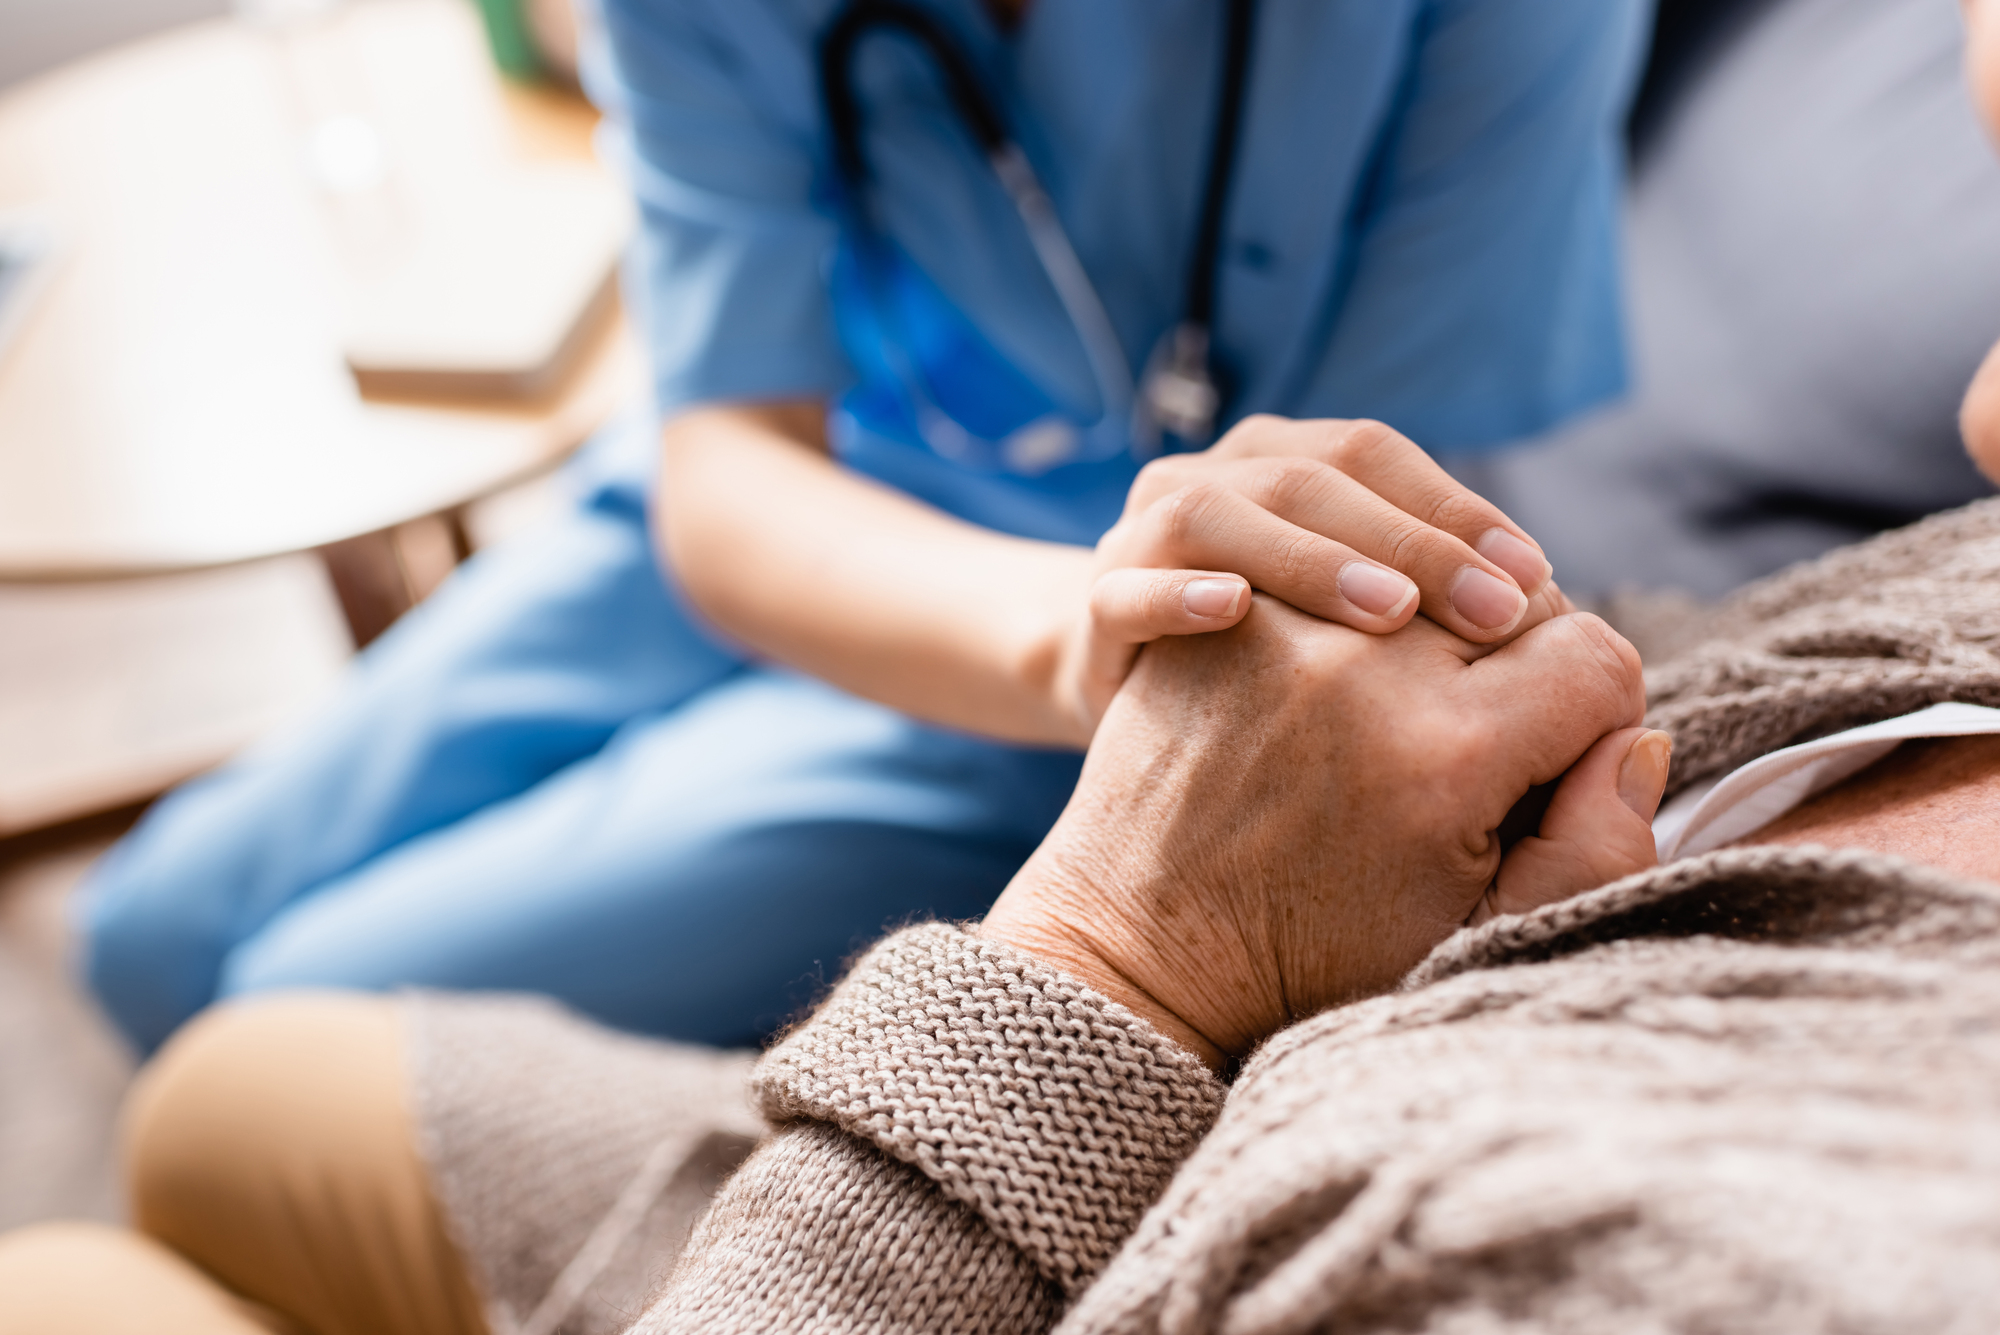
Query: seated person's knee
[75,1278]
[253,1106]
[272,1144]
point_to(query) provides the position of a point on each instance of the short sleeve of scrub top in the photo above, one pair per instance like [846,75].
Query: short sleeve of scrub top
[1421,227]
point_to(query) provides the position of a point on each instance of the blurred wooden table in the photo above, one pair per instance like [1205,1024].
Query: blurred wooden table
[179,398]
[177,406]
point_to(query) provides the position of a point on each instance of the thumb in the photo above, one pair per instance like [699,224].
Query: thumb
[1131,606]
[1598,827]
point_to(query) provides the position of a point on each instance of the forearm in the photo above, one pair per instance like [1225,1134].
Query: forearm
[859,585]
[796,1241]
[965,1137]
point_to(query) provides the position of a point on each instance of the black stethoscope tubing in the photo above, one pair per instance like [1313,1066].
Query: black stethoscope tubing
[1179,391]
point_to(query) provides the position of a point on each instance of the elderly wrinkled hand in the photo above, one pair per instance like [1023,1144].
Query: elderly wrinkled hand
[1290,814]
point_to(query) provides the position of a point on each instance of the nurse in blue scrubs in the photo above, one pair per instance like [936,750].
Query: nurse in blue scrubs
[926,287]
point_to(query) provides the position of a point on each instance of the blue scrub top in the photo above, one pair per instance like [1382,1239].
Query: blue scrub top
[1421,228]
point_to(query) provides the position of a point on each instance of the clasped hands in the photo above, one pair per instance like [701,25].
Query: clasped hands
[1291,812]
[1349,521]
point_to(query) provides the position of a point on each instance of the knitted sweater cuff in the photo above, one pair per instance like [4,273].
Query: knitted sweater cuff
[1053,1112]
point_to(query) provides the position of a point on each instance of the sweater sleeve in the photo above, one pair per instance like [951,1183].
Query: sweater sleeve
[965,1137]
[1885,627]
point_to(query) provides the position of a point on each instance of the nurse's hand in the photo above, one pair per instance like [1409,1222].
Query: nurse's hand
[1349,521]
[1289,815]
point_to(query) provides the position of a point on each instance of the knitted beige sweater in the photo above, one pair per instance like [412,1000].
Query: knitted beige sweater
[1755,1091]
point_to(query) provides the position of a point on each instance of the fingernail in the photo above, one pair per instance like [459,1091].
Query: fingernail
[1529,567]
[1487,602]
[1211,597]
[1375,590]
[1643,776]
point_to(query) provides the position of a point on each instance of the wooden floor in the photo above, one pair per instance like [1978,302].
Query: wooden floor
[62,1070]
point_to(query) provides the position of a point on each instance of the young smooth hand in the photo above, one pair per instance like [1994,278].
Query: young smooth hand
[1346,520]
[1291,813]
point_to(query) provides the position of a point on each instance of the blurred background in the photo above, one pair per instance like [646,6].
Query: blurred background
[42,34]
[300,304]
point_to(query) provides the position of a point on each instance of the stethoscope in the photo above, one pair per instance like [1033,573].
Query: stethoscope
[1179,393]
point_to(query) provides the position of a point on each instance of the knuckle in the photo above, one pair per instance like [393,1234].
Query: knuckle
[1120,538]
[1407,544]
[1164,472]
[1128,601]
[1243,439]
[1105,595]
[1621,659]
[1360,440]
[1163,601]
[1296,556]
[1185,511]
[1284,484]
[1619,671]
[1257,424]
[1456,510]
[1439,753]
[1466,745]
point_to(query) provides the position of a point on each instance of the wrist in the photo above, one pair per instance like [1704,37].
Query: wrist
[1093,954]
[1042,649]
[1081,961]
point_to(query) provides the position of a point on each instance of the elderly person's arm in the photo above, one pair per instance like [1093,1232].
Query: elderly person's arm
[1271,821]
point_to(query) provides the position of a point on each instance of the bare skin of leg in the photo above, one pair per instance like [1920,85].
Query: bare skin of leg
[1935,801]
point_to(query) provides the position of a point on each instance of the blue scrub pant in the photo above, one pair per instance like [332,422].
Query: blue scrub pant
[548,778]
